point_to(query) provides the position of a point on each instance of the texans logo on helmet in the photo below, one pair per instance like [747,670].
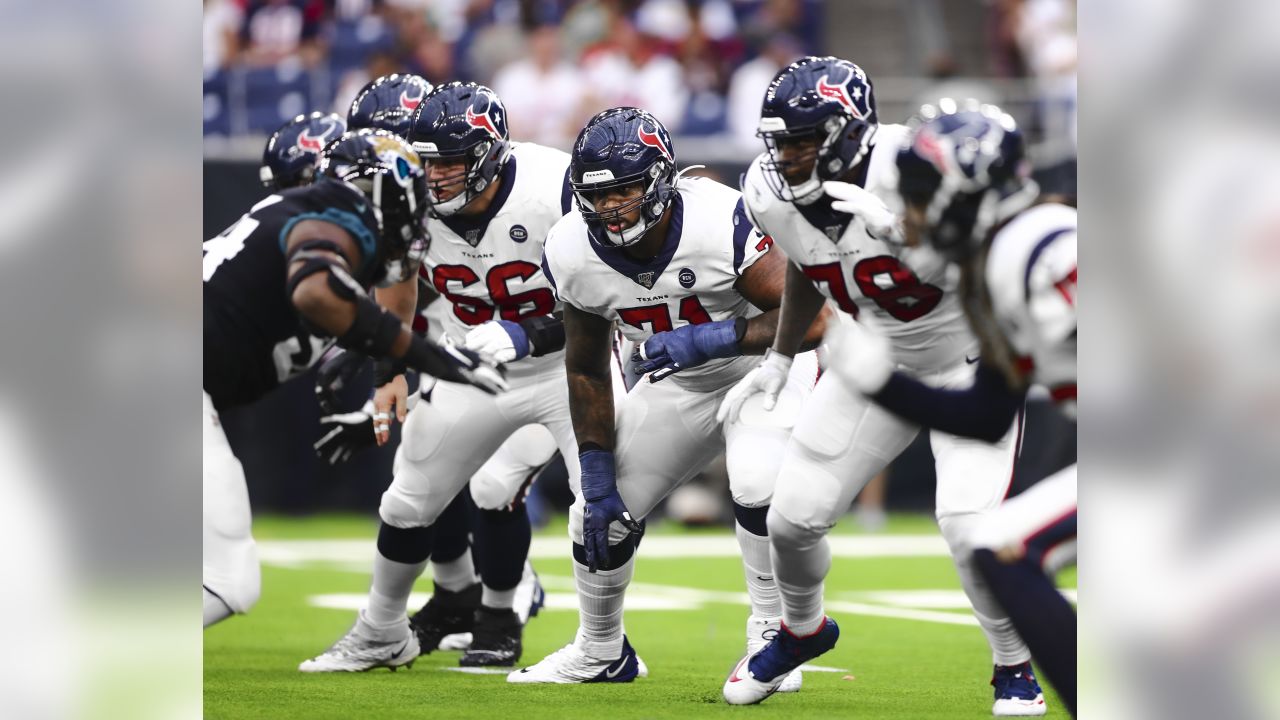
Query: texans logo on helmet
[840,93]
[309,143]
[653,140]
[483,121]
[409,102]
[929,148]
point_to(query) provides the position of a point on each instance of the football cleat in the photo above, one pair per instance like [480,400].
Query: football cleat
[446,613]
[758,675]
[365,648]
[570,664]
[1017,692]
[759,632]
[495,641]
[530,597]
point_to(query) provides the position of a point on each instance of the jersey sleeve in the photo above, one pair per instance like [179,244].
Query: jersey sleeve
[1051,288]
[749,243]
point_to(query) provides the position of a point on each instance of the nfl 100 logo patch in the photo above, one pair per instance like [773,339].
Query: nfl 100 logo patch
[519,233]
[686,277]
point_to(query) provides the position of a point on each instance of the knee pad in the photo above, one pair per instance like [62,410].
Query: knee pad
[404,509]
[787,533]
[490,493]
[239,582]
[960,530]
[751,487]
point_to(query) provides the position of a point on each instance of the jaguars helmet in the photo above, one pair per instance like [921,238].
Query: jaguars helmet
[389,173]
[964,163]
[825,100]
[620,147]
[388,103]
[289,159]
[463,121]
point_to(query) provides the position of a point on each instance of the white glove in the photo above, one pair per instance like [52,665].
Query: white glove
[879,219]
[497,339]
[767,378]
[860,355]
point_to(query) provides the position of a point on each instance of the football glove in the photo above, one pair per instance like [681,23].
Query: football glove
[767,379]
[338,367]
[860,354]
[603,506]
[342,435]
[689,346]
[880,221]
[503,340]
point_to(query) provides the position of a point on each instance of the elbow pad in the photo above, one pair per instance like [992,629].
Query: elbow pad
[546,334]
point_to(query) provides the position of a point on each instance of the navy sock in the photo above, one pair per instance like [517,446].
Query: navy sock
[453,529]
[1044,619]
[405,545]
[501,545]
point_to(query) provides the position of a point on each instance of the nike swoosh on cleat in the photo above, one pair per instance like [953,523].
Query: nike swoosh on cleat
[972,360]
[396,654]
[764,579]
[611,673]
[733,677]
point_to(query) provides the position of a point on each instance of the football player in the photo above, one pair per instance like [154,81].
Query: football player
[492,203]
[680,269]
[328,243]
[388,103]
[818,191]
[289,159]
[963,176]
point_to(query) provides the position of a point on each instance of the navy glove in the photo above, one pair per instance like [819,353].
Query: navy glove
[688,346]
[604,505]
[338,367]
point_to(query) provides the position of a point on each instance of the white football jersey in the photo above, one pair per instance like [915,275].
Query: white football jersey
[489,267]
[709,244]
[919,311]
[1031,277]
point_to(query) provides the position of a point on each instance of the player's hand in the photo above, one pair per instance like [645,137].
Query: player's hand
[879,219]
[689,346]
[338,367]
[477,370]
[391,398]
[767,379]
[603,506]
[503,340]
[860,354]
[344,434]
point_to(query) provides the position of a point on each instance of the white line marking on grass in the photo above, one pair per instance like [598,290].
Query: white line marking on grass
[555,601]
[478,670]
[821,668]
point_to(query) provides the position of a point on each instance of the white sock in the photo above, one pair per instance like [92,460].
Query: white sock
[800,585]
[497,599]
[455,575]
[389,592]
[600,599]
[1007,647]
[215,610]
[757,566]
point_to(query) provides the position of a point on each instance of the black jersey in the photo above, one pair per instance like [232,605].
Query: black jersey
[253,338]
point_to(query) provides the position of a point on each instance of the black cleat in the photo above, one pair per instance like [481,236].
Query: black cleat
[495,641]
[444,614]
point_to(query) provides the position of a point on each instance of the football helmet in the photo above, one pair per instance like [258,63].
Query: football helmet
[965,164]
[461,121]
[388,102]
[620,147]
[389,173]
[289,159]
[827,101]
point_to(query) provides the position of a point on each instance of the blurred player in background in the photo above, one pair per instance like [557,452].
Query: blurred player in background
[680,269]
[389,103]
[492,204]
[964,178]
[818,191]
[329,242]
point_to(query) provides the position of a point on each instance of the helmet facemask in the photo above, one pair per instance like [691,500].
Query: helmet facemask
[657,187]
[473,178]
[842,142]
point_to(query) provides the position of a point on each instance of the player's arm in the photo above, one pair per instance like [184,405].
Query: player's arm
[801,304]
[321,288]
[763,284]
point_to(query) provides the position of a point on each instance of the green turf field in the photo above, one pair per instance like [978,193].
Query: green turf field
[906,649]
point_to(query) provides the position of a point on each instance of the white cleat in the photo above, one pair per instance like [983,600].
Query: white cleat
[365,648]
[530,597]
[570,665]
[759,632]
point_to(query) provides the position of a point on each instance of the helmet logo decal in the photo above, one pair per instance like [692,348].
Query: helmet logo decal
[409,102]
[310,143]
[653,140]
[483,121]
[840,93]
[929,148]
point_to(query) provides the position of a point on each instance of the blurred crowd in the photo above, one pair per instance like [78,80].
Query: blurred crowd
[700,65]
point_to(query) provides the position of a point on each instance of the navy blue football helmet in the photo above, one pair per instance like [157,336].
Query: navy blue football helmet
[822,100]
[289,159]
[620,147]
[461,121]
[388,102]
[389,173]
[964,164]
